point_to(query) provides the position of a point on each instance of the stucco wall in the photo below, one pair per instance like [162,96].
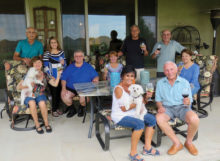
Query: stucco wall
[172,13]
[30,4]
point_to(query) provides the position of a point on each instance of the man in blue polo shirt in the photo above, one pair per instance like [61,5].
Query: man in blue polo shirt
[165,50]
[77,72]
[28,48]
[172,104]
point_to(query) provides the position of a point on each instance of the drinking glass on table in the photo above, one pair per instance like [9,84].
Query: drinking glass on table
[142,45]
[185,94]
[150,88]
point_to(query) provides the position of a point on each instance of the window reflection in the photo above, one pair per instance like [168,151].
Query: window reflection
[100,27]
[12,29]
[73,33]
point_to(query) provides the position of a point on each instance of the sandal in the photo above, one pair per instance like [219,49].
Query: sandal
[48,129]
[134,157]
[39,130]
[55,114]
[59,112]
[149,152]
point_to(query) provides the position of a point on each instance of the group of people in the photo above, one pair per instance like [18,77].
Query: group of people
[169,99]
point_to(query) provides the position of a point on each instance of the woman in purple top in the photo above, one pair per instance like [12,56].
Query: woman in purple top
[189,70]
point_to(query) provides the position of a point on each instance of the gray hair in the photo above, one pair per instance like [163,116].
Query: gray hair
[31,28]
[78,51]
[170,62]
[164,31]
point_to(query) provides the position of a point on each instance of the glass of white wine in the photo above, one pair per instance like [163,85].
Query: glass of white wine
[150,88]
[142,44]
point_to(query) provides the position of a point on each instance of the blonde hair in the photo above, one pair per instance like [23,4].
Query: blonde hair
[113,53]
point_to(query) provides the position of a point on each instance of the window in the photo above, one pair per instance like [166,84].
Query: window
[12,29]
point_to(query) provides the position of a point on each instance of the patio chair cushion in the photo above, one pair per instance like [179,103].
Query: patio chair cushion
[207,66]
[107,114]
[14,73]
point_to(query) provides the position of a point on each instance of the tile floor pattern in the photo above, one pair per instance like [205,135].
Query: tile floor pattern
[69,142]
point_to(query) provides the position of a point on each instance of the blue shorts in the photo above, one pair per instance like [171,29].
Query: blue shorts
[37,99]
[138,124]
[177,111]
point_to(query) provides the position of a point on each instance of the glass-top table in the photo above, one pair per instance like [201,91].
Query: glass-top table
[101,88]
[90,89]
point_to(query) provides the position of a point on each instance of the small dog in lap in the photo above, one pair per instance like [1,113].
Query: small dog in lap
[30,78]
[136,97]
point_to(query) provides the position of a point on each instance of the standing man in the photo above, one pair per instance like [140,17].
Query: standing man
[165,50]
[28,48]
[171,104]
[77,72]
[135,48]
[115,44]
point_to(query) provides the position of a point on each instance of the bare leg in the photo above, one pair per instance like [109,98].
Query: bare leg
[33,111]
[162,121]
[44,112]
[135,137]
[82,101]
[193,124]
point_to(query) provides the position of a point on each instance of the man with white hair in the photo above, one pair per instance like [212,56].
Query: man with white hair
[28,48]
[77,72]
[171,104]
[165,50]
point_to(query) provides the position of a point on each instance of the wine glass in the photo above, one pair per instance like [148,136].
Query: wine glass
[142,44]
[159,47]
[150,88]
[185,93]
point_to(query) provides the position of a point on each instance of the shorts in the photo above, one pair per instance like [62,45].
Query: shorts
[178,111]
[137,124]
[37,99]
[72,90]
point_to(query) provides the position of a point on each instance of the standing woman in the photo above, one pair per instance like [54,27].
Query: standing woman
[54,59]
[126,118]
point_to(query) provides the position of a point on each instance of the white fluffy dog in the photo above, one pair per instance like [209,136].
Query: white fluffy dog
[30,77]
[136,92]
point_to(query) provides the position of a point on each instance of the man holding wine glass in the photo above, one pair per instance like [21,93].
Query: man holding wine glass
[165,50]
[173,99]
[134,48]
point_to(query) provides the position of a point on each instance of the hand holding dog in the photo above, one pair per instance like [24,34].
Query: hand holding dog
[133,105]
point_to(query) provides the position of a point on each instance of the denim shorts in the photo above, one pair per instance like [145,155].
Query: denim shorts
[178,111]
[37,99]
[137,124]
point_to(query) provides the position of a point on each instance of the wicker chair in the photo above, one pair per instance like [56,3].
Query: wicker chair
[14,73]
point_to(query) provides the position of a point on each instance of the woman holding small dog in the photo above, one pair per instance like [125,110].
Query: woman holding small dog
[39,96]
[126,118]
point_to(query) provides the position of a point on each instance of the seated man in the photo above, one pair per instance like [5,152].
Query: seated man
[28,48]
[77,72]
[171,104]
